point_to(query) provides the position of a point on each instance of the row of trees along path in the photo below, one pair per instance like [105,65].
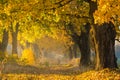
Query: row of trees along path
[98,25]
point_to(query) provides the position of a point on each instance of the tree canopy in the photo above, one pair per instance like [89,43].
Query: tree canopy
[29,20]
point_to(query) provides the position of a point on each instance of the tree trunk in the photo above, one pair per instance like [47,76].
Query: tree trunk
[4,43]
[71,56]
[83,42]
[14,39]
[84,46]
[36,49]
[14,43]
[104,37]
[104,40]
[75,50]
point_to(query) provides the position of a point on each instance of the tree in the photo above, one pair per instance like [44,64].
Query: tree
[14,39]
[4,43]
[75,18]
[83,42]
[43,19]
[14,15]
[104,38]
[84,45]
[73,51]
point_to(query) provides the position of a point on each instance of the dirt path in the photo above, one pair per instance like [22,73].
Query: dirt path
[56,69]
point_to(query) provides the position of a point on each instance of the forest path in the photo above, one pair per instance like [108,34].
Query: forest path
[55,69]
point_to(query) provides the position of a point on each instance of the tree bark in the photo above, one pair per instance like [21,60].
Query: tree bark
[75,50]
[84,46]
[104,40]
[14,39]
[104,37]
[71,56]
[83,42]
[36,49]
[4,42]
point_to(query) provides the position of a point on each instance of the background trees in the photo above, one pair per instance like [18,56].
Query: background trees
[69,21]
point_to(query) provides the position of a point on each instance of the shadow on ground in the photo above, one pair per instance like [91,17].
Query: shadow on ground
[56,69]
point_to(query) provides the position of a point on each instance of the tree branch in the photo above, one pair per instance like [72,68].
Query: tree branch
[87,1]
[58,5]
[59,2]
[67,2]
[75,15]
[117,40]
[72,15]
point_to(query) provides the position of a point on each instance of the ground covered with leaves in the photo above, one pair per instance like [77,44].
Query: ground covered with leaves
[90,75]
[65,72]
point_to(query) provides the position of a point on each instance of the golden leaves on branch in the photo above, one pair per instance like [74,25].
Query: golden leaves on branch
[107,10]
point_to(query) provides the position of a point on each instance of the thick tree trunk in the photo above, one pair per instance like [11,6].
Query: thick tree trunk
[14,39]
[4,42]
[104,37]
[83,42]
[84,46]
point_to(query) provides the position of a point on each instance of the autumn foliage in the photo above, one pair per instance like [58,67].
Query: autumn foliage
[28,57]
[105,74]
